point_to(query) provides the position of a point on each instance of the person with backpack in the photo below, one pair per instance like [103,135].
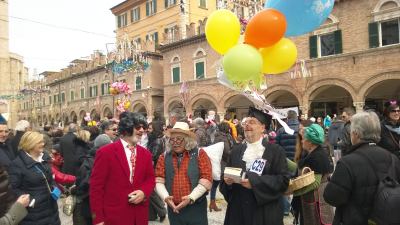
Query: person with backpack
[183,178]
[355,188]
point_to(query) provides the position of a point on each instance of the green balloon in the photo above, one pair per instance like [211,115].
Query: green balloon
[242,62]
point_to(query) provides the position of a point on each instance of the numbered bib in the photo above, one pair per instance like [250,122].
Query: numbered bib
[258,166]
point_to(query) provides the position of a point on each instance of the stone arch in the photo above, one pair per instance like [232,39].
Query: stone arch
[172,103]
[201,106]
[378,6]
[329,82]
[175,59]
[331,20]
[140,107]
[368,84]
[237,105]
[107,111]
[281,87]
[195,98]
[82,114]
[74,117]
[198,52]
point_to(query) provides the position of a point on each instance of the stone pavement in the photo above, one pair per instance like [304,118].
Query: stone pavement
[214,218]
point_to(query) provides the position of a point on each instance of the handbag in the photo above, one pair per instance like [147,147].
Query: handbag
[69,205]
[56,192]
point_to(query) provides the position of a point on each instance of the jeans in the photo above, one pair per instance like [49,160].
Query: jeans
[213,191]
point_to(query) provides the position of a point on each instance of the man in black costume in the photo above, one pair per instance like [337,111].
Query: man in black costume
[256,200]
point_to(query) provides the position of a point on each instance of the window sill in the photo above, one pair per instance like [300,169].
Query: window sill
[203,7]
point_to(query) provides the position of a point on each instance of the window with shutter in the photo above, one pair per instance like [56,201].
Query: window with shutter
[50,100]
[82,93]
[138,82]
[63,97]
[373,35]
[102,89]
[390,32]
[338,42]
[90,92]
[199,70]
[176,75]
[155,38]
[313,46]
[154,6]
[147,8]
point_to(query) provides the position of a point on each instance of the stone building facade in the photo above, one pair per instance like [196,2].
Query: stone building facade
[13,73]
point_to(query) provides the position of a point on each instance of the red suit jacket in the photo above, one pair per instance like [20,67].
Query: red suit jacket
[110,186]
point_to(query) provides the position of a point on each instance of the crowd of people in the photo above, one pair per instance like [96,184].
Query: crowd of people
[126,170]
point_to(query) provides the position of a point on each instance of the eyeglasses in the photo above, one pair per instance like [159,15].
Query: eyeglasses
[395,110]
[114,129]
[139,126]
[176,140]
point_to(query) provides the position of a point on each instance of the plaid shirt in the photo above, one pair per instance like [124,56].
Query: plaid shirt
[181,185]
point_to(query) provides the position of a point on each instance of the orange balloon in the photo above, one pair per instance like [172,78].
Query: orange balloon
[265,28]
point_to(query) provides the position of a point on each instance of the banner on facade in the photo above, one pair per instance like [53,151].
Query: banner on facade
[282,113]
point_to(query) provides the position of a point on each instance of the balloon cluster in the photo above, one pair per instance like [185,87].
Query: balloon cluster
[123,90]
[90,122]
[265,50]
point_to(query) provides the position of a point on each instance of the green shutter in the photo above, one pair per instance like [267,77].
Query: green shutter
[199,70]
[174,2]
[138,83]
[338,42]
[156,38]
[138,12]
[147,9]
[102,89]
[313,46]
[373,35]
[119,21]
[166,3]
[155,6]
[175,75]
[50,100]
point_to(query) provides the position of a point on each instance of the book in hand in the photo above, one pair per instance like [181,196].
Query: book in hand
[234,173]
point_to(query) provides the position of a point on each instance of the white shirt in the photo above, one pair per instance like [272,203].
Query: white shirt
[253,151]
[128,154]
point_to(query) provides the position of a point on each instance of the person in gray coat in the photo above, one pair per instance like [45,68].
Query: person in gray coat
[17,212]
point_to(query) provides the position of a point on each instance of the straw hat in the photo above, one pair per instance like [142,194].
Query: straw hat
[183,128]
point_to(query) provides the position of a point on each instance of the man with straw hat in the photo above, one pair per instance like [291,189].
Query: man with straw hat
[183,177]
[256,199]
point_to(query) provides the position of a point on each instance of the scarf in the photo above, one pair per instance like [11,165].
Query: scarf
[253,151]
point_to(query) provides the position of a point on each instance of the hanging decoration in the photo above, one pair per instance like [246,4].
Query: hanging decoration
[123,91]
[184,94]
[300,70]
[128,56]
[10,97]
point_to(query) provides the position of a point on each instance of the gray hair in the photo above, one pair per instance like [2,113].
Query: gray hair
[198,122]
[291,115]
[367,126]
[72,127]
[178,114]
[190,144]
[349,111]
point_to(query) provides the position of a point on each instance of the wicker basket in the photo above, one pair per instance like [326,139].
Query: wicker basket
[306,178]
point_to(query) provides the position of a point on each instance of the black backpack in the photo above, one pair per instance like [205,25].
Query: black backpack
[386,203]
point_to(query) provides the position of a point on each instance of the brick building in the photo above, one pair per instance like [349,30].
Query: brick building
[352,59]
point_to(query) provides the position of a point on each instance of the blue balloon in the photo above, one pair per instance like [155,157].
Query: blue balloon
[302,16]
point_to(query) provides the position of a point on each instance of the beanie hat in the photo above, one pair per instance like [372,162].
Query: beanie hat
[315,134]
[101,140]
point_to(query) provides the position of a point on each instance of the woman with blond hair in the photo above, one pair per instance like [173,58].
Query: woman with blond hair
[30,173]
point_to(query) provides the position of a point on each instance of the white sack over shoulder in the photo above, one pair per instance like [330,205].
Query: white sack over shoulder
[214,152]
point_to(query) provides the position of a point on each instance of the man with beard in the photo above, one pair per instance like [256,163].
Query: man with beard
[256,200]
[123,177]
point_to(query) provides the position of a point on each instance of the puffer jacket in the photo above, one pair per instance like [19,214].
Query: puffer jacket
[26,177]
[60,177]
[287,141]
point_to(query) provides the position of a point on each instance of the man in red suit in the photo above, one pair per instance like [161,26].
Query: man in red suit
[122,177]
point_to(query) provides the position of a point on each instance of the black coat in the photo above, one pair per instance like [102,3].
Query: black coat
[25,178]
[7,155]
[345,141]
[68,152]
[318,161]
[6,196]
[261,205]
[288,141]
[353,184]
[389,140]
[15,141]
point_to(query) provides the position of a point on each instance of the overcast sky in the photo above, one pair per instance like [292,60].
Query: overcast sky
[47,47]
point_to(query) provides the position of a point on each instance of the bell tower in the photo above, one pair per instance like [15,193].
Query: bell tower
[4,42]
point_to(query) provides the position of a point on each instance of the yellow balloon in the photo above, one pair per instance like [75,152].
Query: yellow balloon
[279,57]
[222,30]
